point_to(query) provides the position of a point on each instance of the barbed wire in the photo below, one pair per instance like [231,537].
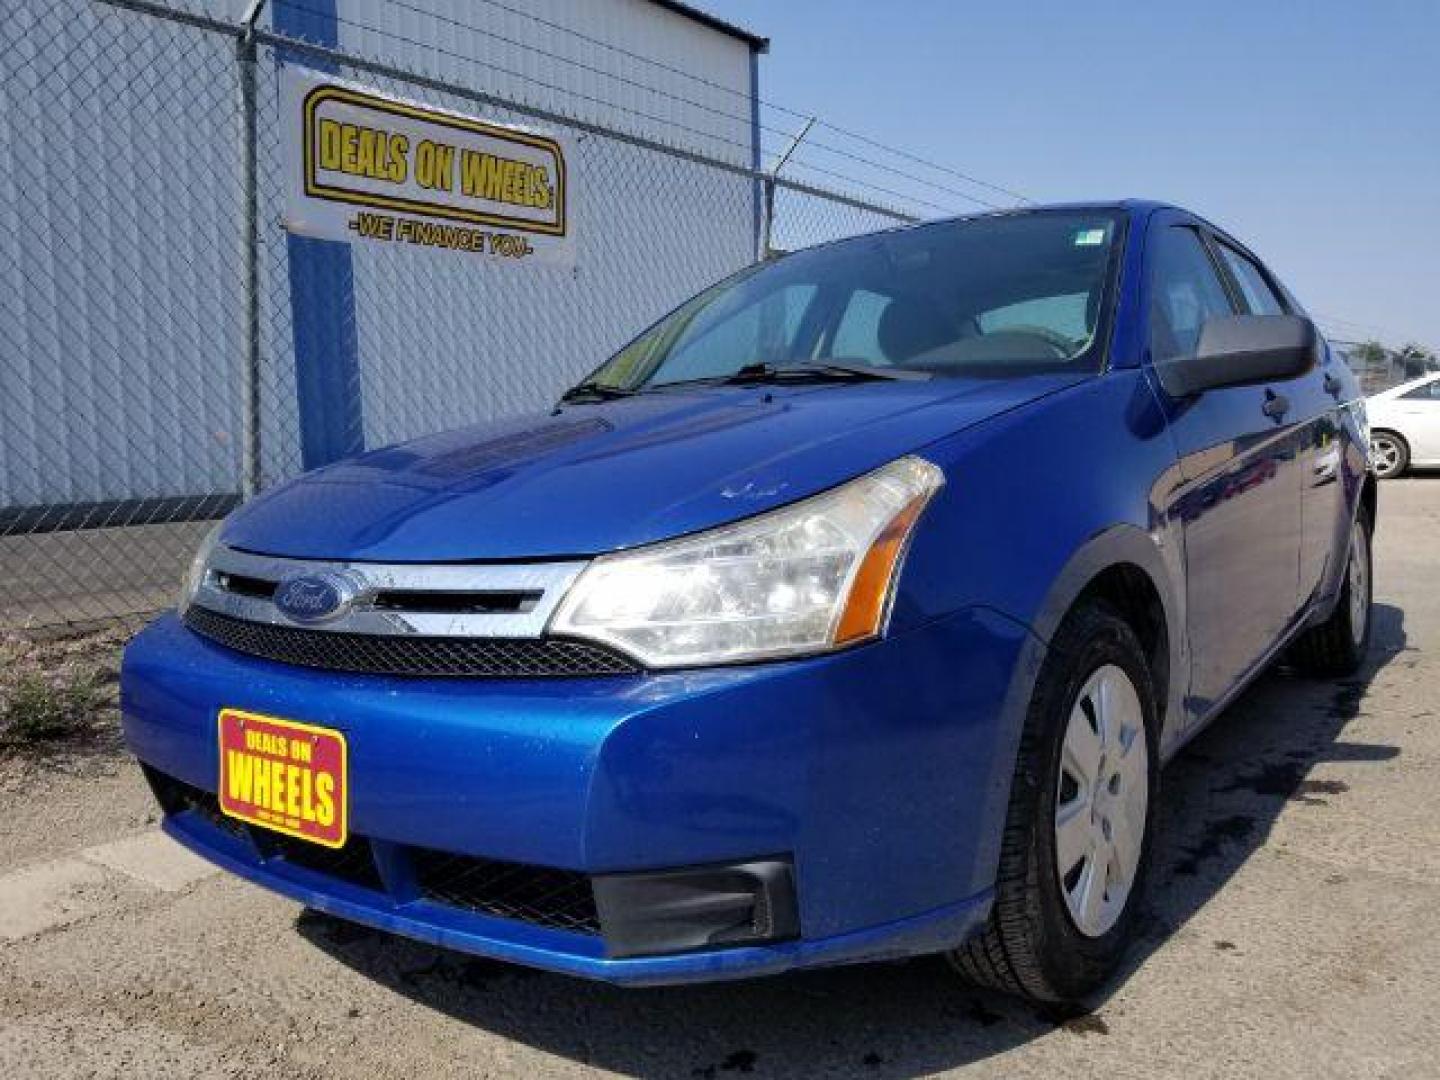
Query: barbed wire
[674,97]
[922,161]
[568,92]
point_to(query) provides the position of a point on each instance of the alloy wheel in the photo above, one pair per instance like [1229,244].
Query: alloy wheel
[1385,452]
[1102,800]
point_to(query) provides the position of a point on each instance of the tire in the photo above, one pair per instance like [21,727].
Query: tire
[1390,452]
[1033,944]
[1339,644]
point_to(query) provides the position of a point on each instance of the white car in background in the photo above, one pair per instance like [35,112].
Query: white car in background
[1405,426]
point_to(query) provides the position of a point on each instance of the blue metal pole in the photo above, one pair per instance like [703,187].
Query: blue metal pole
[322,297]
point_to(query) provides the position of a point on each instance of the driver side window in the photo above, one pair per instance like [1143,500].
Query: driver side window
[1185,290]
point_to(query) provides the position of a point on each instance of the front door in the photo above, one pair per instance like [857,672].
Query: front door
[1316,411]
[1239,493]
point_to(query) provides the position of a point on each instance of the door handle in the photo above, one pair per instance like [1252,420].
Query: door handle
[1276,405]
[1332,384]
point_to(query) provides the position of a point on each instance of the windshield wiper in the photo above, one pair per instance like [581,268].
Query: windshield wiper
[821,371]
[593,391]
[806,371]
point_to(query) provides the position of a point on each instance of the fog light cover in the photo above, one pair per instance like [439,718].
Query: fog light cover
[671,911]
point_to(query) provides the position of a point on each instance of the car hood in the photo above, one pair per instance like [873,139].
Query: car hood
[587,479]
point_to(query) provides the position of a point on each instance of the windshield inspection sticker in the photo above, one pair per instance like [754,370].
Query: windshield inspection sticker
[1090,238]
[364,166]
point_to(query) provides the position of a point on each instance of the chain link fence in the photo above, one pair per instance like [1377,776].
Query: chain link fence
[140,401]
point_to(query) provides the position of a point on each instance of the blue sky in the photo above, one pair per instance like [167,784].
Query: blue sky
[1309,129]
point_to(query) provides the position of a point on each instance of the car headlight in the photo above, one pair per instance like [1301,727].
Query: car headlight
[195,576]
[809,577]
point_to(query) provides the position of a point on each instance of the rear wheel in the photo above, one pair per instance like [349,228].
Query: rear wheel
[1390,452]
[1339,644]
[1077,838]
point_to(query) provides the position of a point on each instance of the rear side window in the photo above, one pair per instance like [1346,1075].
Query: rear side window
[1185,290]
[1259,296]
[1429,392]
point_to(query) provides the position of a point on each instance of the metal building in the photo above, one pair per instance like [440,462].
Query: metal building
[120,212]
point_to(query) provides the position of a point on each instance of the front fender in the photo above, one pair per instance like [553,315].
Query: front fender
[1123,545]
[1040,500]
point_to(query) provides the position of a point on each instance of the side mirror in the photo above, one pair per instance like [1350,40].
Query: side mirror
[1240,350]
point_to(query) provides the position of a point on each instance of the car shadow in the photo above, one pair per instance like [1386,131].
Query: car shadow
[1224,791]
[1221,797]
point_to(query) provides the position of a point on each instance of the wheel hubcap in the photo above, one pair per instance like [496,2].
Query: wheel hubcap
[1358,574]
[1102,799]
[1385,453]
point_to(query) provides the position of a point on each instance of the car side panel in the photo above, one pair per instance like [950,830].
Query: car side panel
[1239,504]
[1391,410]
[1318,398]
[1355,472]
[1420,422]
[1320,401]
[1240,507]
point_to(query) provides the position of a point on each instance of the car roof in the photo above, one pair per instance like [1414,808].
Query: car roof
[1139,207]
[1134,207]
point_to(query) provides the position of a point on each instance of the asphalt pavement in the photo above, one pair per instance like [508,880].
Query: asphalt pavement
[1293,929]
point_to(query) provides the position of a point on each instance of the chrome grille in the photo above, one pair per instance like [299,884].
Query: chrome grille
[428,600]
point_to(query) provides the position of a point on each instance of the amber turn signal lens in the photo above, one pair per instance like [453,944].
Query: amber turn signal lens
[864,613]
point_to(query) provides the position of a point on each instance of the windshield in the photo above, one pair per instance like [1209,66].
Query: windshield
[1002,296]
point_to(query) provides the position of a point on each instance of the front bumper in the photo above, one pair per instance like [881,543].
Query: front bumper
[882,773]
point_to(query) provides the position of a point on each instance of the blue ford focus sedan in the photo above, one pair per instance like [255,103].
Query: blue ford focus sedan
[849,612]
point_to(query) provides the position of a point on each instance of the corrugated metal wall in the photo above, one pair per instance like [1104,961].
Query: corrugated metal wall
[502,46]
[118,268]
[650,230]
[119,233]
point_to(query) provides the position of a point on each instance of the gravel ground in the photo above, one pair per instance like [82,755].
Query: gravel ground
[1294,929]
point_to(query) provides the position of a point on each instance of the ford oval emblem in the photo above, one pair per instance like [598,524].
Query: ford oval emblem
[314,597]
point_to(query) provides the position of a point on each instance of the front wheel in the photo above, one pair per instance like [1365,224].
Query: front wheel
[1390,453]
[1339,644]
[1078,835]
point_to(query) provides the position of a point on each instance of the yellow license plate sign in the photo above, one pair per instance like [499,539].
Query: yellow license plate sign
[285,776]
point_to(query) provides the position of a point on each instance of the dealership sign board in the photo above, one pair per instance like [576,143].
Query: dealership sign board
[363,166]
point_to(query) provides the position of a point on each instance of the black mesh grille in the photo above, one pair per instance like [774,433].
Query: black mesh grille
[560,899]
[177,797]
[353,863]
[540,896]
[496,658]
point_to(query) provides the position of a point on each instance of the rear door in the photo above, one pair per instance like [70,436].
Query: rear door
[1238,495]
